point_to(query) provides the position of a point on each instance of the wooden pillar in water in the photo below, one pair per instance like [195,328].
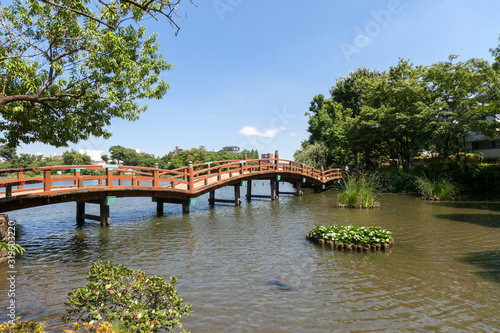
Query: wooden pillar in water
[237,199]
[159,207]
[185,207]
[273,189]
[299,188]
[104,213]
[249,190]
[103,216]
[80,212]
[211,198]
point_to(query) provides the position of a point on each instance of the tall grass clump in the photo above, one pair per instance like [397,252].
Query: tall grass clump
[436,189]
[359,191]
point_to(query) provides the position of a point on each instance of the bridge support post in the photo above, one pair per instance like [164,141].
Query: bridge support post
[249,190]
[274,195]
[159,207]
[299,188]
[237,199]
[211,198]
[80,212]
[185,207]
[103,216]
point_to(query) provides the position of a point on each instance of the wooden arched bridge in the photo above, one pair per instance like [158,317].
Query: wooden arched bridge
[101,184]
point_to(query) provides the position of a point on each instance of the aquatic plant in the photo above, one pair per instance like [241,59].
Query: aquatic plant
[440,189]
[359,191]
[352,234]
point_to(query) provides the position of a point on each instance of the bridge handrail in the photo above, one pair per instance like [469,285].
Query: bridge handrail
[191,177]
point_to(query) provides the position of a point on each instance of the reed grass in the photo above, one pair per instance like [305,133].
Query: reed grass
[359,191]
[438,189]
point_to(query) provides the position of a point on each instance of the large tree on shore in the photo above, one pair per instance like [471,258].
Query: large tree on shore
[467,95]
[68,67]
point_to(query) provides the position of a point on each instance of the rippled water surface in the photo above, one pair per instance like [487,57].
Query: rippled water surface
[442,275]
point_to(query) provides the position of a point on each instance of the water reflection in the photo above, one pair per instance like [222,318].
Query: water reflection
[441,275]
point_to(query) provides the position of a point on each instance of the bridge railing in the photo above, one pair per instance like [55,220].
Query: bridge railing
[188,178]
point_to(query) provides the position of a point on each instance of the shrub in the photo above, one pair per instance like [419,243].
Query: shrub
[22,327]
[118,293]
[103,327]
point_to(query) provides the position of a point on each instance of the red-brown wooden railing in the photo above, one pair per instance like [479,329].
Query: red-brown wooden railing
[191,178]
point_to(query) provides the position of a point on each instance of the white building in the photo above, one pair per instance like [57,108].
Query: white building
[489,147]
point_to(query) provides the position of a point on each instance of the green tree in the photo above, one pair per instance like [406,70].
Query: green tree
[467,95]
[74,158]
[315,154]
[8,153]
[69,67]
[496,53]
[397,112]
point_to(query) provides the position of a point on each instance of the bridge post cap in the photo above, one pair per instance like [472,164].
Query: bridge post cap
[190,164]
[208,163]
[110,166]
[243,162]
[276,152]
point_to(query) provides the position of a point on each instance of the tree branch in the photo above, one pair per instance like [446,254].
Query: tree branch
[79,13]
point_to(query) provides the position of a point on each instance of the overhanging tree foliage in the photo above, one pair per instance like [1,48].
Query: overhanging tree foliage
[69,66]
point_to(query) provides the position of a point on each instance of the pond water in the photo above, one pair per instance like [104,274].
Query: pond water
[442,275]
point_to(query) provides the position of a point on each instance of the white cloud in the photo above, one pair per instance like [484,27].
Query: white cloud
[253,131]
[295,134]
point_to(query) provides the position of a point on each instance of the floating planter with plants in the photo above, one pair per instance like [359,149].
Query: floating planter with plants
[351,238]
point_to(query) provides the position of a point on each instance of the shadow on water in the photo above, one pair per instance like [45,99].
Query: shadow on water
[485,220]
[493,206]
[488,261]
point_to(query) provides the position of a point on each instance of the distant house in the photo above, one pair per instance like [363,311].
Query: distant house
[55,156]
[482,144]
[478,143]
[177,150]
[232,149]
[266,156]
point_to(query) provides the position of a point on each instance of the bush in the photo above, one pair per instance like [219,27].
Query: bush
[103,327]
[22,327]
[466,177]
[120,294]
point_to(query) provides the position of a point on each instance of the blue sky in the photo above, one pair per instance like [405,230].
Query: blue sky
[244,71]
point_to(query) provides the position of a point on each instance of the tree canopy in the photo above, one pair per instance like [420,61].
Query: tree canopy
[395,114]
[69,66]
